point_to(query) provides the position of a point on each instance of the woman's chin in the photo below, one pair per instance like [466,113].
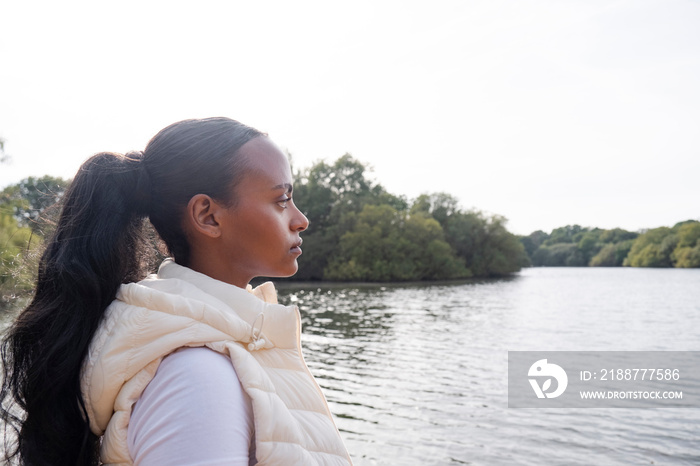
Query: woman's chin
[282,272]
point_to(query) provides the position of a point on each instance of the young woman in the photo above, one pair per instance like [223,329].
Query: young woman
[187,366]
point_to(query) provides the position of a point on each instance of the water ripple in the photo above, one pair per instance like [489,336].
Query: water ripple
[417,375]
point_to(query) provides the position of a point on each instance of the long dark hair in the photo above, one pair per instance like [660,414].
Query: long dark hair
[99,244]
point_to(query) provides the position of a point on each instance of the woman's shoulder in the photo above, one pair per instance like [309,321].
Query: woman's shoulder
[194,401]
[192,378]
[197,365]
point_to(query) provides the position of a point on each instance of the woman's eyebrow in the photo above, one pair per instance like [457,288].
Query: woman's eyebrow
[288,186]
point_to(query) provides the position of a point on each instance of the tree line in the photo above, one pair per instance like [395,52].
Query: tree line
[576,246]
[361,232]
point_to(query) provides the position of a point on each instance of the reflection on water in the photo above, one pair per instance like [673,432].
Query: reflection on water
[417,374]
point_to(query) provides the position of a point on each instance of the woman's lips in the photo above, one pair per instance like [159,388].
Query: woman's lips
[296,249]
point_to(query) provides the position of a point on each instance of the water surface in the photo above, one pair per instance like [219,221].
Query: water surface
[417,374]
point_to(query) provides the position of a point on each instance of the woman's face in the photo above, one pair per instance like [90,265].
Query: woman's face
[260,232]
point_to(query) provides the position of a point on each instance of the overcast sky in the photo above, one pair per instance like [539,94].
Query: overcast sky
[549,112]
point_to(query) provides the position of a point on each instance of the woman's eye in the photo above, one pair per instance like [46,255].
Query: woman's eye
[283,203]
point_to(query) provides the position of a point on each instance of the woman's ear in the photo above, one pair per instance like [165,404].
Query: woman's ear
[202,216]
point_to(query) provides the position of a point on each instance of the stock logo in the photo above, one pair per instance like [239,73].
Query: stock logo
[541,370]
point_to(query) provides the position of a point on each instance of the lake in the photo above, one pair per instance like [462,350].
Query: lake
[417,374]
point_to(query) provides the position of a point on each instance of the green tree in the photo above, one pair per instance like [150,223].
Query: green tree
[558,255]
[652,249]
[573,245]
[485,244]
[34,201]
[588,246]
[612,254]
[26,215]
[427,248]
[566,234]
[533,241]
[19,249]
[433,239]
[687,251]
[482,242]
[687,257]
[678,246]
[617,235]
[441,206]
[385,245]
[329,195]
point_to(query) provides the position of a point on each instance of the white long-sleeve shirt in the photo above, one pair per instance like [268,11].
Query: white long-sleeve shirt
[194,412]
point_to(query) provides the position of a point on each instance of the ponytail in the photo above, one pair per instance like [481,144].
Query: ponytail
[96,246]
[99,243]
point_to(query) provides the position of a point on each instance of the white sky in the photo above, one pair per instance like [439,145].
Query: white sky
[548,112]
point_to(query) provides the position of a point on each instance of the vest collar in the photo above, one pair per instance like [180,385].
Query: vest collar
[281,325]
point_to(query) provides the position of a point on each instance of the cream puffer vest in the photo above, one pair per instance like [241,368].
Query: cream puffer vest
[180,307]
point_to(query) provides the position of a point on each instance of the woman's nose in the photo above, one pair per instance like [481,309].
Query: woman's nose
[300,222]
